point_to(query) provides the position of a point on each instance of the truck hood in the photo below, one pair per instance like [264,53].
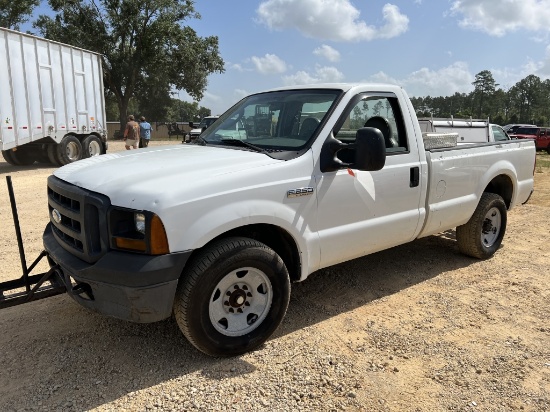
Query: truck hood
[140,178]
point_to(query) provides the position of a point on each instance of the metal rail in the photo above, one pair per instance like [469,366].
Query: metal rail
[34,287]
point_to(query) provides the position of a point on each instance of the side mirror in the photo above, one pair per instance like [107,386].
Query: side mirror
[370,151]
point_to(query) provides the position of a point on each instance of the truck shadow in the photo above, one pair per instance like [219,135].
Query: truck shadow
[6,168]
[71,359]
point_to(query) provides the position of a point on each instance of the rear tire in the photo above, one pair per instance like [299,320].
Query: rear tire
[482,235]
[232,297]
[6,154]
[69,150]
[52,155]
[91,146]
[23,156]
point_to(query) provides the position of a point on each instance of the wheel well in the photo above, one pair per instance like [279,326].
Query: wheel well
[502,185]
[277,239]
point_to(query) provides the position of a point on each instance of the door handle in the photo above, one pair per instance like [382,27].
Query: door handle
[415,177]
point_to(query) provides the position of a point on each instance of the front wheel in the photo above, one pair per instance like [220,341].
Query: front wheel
[232,297]
[482,235]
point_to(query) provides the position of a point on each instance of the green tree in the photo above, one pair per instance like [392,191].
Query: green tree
[484,87]
[526,95]
[15,12]
[147,50]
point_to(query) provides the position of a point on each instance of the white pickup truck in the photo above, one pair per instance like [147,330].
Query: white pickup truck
[215,232]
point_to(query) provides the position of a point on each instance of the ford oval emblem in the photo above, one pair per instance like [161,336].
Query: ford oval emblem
[56,216]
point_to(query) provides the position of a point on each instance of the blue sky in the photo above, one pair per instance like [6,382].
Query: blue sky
[430,47]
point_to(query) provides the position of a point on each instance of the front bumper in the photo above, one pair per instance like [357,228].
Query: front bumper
[124,285]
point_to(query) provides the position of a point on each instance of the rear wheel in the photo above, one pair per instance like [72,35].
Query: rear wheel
[482,235]
[51,151]
[91,146]
[69,150]
[232,297]
[23,156]
[6,154]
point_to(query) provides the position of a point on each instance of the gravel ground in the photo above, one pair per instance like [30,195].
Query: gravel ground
[431,330]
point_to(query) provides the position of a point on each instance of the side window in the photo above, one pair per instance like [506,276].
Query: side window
[499,134]
[382,113]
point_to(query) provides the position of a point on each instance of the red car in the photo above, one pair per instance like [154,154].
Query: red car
[540,134]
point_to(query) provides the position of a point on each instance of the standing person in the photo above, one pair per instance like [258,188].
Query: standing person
[131,133]
[144,132]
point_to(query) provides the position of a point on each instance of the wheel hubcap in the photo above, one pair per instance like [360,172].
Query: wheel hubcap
[94,149]
[491,227]
[240,301]
[73,151]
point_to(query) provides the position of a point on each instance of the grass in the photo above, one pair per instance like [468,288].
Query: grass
[543,159]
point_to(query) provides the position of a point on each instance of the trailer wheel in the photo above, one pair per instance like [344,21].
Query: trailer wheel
[51,150]
[6,154]
[69,150]
[41,154]
[91,146]
[23,156]
[232,297]
[482,235]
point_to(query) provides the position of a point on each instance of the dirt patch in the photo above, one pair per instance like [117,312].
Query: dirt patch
[417,327]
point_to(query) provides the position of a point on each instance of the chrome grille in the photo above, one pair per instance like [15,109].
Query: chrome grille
[79,219]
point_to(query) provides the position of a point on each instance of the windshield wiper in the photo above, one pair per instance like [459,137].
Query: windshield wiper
[201,141]
[244,144]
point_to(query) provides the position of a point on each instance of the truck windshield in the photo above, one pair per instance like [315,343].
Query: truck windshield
[207,122]
[274,121]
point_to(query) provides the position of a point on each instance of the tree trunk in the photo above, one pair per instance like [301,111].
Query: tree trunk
[123,110]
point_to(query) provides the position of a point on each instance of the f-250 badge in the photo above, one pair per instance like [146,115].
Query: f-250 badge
[302,191]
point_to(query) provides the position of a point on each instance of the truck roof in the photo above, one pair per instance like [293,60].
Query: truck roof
[341,86]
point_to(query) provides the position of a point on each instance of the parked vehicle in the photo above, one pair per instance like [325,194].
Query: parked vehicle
[220,251]
[511,128]
[540,134]
[201,127]
[52,104]
[468,130]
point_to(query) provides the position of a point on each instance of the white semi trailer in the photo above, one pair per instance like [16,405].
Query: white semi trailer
[52,104]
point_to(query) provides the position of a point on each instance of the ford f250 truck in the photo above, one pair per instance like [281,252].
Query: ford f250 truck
[325,174]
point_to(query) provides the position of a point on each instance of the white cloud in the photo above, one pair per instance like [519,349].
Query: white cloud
[497,17]
[336,20]
[425,82]
[269,64]
[237,66]
[240,93]
[324,74]
[328,53]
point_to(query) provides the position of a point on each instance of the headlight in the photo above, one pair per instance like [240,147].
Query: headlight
[139,219]
[135,231]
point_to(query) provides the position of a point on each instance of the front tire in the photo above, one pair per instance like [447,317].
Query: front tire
[482,235]
[232,297]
